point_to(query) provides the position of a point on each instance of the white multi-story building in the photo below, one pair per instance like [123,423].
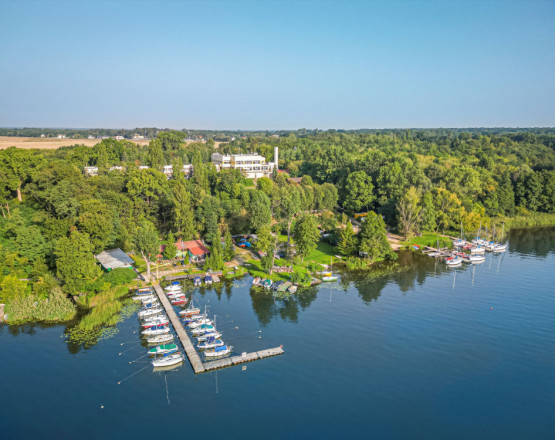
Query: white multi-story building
[168,170]
[252,165]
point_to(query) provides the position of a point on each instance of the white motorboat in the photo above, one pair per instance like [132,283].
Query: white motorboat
[199,322]
[156,330]
[160,339]
[144,298]
[205,336]
[224,350]
[478,250]
[168,360]
[500,247]
[150,312]
[162,349]
[453,261]
[154,321]
[204,328]
[173,288]
[210,343]
[478,258]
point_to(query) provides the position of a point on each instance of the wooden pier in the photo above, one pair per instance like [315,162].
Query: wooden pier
[192,354]
[194,358]
[242,359]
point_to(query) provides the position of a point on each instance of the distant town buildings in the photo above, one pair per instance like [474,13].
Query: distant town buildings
[61,136]
[119,138]
[116,168]
[251,165]
[168,170]
[138,137]
[90,136]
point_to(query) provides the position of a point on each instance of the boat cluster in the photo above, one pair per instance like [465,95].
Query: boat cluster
[278,286]
[155,329]
[204,330]
[472,252]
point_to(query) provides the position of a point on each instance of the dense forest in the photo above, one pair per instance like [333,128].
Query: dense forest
[55,218]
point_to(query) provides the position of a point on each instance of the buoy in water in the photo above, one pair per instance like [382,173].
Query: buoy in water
[491,308]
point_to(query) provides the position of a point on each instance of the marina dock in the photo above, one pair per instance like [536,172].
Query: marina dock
[192,355]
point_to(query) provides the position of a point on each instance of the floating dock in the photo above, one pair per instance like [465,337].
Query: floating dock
[194,358]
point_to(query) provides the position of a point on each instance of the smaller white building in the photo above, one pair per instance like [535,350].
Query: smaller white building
[61,136]
[116,168]
[90,136]
[91,171]
[119,138]
[143,167]
[138,137]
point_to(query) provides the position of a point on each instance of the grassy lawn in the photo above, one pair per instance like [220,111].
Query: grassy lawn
[322,254]
[428,239]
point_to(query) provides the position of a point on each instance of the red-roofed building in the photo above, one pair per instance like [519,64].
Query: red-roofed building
[194,249]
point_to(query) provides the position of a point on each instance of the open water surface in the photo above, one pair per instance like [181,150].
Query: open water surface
[432,353]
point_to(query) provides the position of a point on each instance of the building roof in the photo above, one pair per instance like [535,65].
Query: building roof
[194,246]
[114,259]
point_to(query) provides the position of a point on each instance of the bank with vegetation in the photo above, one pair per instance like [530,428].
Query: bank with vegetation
[55,217]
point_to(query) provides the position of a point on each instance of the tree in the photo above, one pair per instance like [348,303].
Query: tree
[347,244]
[75,262]
[97,221]
[155,154]
[265,238]
[146,185]
[260,210]
[170,251]
[289,206]
[265,184]
[328,220]
[428,213]
[506,195]
[182,209]
[409,210]
[30,242]
[358,191]
[215,261]
[373,238]
[18,165]
[306,235]
[229,249]
[267,261]
[146,243]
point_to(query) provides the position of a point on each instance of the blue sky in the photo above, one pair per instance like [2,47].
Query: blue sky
[277,64]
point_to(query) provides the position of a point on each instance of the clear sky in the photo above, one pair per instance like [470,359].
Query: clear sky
[277,64]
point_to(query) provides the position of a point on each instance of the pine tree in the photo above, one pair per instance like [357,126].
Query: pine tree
[229,250]
[347,240]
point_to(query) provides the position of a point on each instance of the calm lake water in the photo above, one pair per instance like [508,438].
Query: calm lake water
[433,353]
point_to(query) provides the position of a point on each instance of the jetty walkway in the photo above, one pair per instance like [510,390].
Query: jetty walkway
[192,355]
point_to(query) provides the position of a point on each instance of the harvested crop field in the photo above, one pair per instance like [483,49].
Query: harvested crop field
[48,143]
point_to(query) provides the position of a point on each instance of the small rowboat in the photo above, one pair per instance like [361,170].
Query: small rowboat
[256,281]
[453,261]
[168,360]
[162,349]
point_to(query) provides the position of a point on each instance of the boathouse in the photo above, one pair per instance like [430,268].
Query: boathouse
[114,259]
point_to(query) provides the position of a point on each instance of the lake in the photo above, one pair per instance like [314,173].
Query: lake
[432,352]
